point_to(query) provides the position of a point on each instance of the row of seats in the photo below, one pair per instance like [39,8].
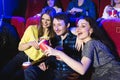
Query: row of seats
[35,6]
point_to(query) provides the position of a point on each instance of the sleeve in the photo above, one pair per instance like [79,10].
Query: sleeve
[70,6]
[92,10]
[28,34]
[105,14]
[88,50]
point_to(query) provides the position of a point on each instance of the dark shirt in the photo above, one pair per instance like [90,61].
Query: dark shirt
[61,69]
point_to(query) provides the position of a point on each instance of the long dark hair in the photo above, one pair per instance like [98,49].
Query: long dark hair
[100,34]
[51,12]
[96,30]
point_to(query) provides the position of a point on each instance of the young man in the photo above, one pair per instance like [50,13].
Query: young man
[64,41]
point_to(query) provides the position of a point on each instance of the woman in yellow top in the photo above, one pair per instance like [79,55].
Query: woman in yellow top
[29,44]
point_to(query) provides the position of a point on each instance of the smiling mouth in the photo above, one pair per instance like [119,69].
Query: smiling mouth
[57,31]
[80,33]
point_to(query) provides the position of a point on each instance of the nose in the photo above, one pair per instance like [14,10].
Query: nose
[56,28]
[45,21]
[78,29]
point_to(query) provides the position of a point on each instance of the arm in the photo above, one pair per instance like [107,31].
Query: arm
[80,67]
[24,46]
[105,12]
[92,10]
[29,39]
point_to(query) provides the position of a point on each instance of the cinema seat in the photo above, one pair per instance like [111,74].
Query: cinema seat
[19,24]
[112,27]
[32,21]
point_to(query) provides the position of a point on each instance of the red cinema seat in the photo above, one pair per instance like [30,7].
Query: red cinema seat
[32,21]
[19,24]
[112,27]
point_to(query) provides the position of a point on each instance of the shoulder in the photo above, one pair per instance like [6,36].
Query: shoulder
[107,6]
[95,44]
[30,29]
[92,43]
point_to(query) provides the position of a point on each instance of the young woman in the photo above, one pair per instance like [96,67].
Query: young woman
[29,44]
[115,7]
[95,53]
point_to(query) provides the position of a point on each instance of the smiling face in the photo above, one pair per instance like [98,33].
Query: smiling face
[50,3]
[83,29]
[59,27]
[46,21]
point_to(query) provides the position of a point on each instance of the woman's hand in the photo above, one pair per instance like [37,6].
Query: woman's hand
[53,52]
[34,44]
[24,46]
[75,10]
[79,44]
[42,66]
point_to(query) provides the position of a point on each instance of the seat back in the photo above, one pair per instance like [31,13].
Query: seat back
[34,7]
[103,3]
[19,24]
[32,21]
[112,27]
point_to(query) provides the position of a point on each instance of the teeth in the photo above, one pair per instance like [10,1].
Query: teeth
[79,33]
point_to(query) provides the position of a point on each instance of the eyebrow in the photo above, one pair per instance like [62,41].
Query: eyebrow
[84,23]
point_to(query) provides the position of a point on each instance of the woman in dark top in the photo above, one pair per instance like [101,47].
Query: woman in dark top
[95,53]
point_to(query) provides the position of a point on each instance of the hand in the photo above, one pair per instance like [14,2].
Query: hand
[34,44]
[42,66]
[52,52]
[78,10]
[79,44]
[74,10]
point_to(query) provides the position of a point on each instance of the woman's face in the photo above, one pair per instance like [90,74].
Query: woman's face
[117,1]
[50,3]
[46,21]
[83,29]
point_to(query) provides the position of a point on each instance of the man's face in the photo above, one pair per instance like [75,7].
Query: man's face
[59,27]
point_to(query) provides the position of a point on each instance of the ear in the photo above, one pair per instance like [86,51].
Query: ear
[68,25]
[91,31]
